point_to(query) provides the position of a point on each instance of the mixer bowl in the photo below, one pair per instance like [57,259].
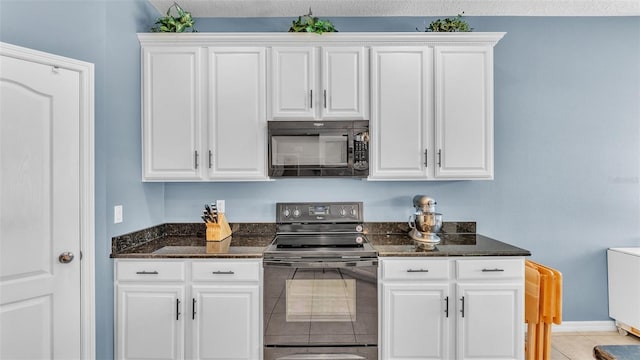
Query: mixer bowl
[428,222]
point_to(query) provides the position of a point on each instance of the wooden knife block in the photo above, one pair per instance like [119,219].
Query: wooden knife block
[218,236]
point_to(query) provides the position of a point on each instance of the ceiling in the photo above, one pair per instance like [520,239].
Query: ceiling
[333,8]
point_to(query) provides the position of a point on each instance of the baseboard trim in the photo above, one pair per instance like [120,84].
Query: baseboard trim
[585,326]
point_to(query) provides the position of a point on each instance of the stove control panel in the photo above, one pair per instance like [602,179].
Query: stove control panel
[321,212]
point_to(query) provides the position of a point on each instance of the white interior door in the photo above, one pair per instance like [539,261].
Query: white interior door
[40,310]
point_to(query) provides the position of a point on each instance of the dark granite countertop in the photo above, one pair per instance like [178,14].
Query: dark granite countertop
[456,239]
[249,240]
[188,241]
[450,245]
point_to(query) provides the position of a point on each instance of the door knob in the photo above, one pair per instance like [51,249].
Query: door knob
[66,257]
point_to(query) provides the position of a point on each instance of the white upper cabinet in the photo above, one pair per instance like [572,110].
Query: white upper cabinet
[204,113]
[314,83]
[293,71]
[345,83]
[206,99]
[464,112]
[432,112]
[171,117]
[402,113]
[237,113]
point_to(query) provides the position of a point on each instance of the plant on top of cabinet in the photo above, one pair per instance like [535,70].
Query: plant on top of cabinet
[307,23]
[170,23]
[454,24]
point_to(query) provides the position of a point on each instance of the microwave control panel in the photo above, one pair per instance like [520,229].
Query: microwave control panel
[360,155]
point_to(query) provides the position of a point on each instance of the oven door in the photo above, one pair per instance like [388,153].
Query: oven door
[320,308]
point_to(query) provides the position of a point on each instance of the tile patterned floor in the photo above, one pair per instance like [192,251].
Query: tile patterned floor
[579,345]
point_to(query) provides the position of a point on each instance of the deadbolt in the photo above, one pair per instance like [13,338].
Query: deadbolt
[66,257]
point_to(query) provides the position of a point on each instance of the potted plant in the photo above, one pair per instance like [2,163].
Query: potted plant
[454,24]
[180,23]
[307,23]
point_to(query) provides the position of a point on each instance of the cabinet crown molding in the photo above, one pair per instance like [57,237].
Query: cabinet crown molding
[285,38]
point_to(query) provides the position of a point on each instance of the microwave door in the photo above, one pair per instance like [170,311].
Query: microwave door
[334,151]
[309,150]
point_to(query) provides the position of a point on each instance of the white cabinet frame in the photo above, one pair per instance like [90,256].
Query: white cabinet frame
[464,112]
[451,308]
[193,309]
[319,83]
[329,77]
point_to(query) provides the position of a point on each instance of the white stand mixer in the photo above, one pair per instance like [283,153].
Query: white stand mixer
[425,223]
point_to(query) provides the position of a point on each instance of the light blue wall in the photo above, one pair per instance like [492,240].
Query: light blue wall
[103,33]
[567,140]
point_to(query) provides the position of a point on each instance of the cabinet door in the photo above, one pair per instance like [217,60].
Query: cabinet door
[171,113]
[464,112]
[490,321]
[226,322]
[294,72]
[237,114]
[345,85]
[415,321]
[149,321]
[401,112]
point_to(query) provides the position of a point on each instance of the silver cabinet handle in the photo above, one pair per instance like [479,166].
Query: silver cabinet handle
[325,98]
[147,272]
[311,98]
[426,151]
[66,257]
[439,157]
[417,270]
[210,159]
[178,309]
[462,310]
[195,158]
[223,272]
[492,270]
[193,309]
[446,310]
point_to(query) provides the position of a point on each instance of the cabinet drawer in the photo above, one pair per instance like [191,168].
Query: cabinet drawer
[150,271]
[226,271]
[412,269]
[490,269]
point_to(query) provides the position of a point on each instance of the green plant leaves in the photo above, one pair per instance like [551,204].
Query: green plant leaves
[455,24]
[307,23]
[170,23]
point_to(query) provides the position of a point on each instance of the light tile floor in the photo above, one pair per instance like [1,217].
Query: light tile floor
[579,345]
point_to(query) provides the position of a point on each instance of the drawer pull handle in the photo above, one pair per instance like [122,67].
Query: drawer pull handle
[223,272]
[492,270]
[147,272]
[462,310]
[417,270]
[178,309]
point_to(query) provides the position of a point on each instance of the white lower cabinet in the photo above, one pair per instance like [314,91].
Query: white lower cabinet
[416,325]
[490,321]
[452,309]
[149,319]
[194,309]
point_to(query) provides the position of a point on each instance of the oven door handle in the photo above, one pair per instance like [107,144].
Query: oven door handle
[321,357]
[309,264]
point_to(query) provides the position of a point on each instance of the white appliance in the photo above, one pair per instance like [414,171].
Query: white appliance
[624,288]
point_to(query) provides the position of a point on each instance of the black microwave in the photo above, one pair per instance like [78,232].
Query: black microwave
[336,148]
